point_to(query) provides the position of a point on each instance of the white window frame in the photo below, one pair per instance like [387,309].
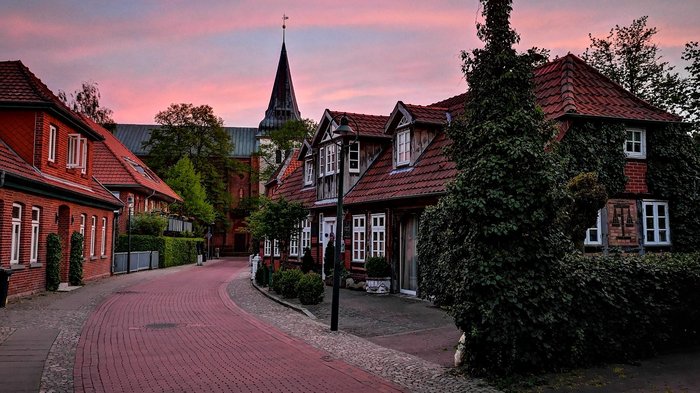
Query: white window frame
[308,172]
[598,228]
[76,144]
[83,219]
[294,242]
[378,222]
[84,150]
[358,238]
[403,147]
[267,248]
[53,131]
[276,247]
[321,161]
[16,234]
[93,229]
[642,142]
[34,250]
[655,220]
[354,148]
[331,159]
[305,234]
[103,238]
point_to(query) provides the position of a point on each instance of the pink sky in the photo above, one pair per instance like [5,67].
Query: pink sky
[355,56]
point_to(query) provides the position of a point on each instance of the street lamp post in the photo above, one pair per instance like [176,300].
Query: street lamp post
[130,206]
[343,131]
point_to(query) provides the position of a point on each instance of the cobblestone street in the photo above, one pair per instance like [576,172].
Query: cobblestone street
[206,329]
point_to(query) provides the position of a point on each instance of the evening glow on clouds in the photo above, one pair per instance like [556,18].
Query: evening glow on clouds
[355,56]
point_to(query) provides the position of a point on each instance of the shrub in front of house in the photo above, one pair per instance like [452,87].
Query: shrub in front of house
[172,251]
[75,267]
[377,267]
[148,224]
[276,284]
[310,289]
[53,261]
[288,283]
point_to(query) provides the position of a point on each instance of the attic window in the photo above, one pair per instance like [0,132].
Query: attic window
[354,157]
[77,151]
[308,172]
[145,172]
[403,147]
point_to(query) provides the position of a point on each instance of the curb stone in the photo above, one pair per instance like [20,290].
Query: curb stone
[283,302]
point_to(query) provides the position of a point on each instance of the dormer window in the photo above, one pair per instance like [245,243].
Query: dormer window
[77,151]
[321,161]
[308,172]
[403,147]
[354,157]
[635,143]
[331,159]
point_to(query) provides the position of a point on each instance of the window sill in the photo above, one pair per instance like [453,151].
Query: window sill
[35,264]
[103,256]
[93,258]
[17,266]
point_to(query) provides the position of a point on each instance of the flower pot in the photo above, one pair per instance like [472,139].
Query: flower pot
[378,284]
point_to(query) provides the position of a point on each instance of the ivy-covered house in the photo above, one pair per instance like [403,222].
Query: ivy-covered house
[400,167]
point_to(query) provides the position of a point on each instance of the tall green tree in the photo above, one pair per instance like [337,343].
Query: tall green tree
[283,140]
[86,100]
[487,249]
[630,57]
[277,220]
[184,179]
[197,133]
[691,109]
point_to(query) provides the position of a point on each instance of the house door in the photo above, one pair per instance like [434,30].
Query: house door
[328,234]
[409,258]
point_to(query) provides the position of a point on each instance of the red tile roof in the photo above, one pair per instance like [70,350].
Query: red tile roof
[11,162]
[427,176]
[291,186]
[368,125]
[115,165]
[570,86]
[19,86]
[428,114]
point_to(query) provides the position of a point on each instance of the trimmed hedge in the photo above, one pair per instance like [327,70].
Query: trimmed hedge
[172,251]
[596,309]
[75,267]
[261,277]
[54,254]
[310,288]
[288,283]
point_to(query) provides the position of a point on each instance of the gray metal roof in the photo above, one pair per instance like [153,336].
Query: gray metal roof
[135,135]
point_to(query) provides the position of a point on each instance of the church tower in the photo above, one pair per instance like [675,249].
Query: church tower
[282,108]
[283,102]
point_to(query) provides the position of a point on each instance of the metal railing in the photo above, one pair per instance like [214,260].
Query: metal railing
[179,225]
[140,260]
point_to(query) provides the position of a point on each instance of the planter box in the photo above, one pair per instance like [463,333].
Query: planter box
[378,284]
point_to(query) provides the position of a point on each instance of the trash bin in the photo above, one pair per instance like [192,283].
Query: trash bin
[4,285]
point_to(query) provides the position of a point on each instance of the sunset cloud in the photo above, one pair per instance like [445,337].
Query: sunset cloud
[359,56]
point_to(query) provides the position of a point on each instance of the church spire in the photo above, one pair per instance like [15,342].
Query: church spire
[283,102]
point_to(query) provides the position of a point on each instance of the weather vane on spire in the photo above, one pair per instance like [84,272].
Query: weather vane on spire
[284,25]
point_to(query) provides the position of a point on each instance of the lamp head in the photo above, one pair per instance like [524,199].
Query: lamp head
[344,129]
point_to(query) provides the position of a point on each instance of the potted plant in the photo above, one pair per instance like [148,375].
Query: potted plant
[378,275]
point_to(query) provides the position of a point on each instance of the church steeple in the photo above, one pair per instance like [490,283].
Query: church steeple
[283,102]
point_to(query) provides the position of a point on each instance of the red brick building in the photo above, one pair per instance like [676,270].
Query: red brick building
[399,168]
[125,175]
[47,184]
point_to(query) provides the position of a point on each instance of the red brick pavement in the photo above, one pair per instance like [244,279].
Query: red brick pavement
[182,333]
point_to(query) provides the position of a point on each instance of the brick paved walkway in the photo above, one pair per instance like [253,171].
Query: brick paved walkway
[182,332]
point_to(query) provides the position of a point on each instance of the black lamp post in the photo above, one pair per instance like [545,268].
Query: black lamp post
[343,131]
[130,206]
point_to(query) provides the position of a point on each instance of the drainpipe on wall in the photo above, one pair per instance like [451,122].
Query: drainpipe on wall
[145,203]
[115,233]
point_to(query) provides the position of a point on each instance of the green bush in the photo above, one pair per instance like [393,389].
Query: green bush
[276,283]
[377,267]
[310,289]
[75,268]
[329,258]
[287,283]
[588,310]
[148,224]
[53,261]
[172,251]
[261,277]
